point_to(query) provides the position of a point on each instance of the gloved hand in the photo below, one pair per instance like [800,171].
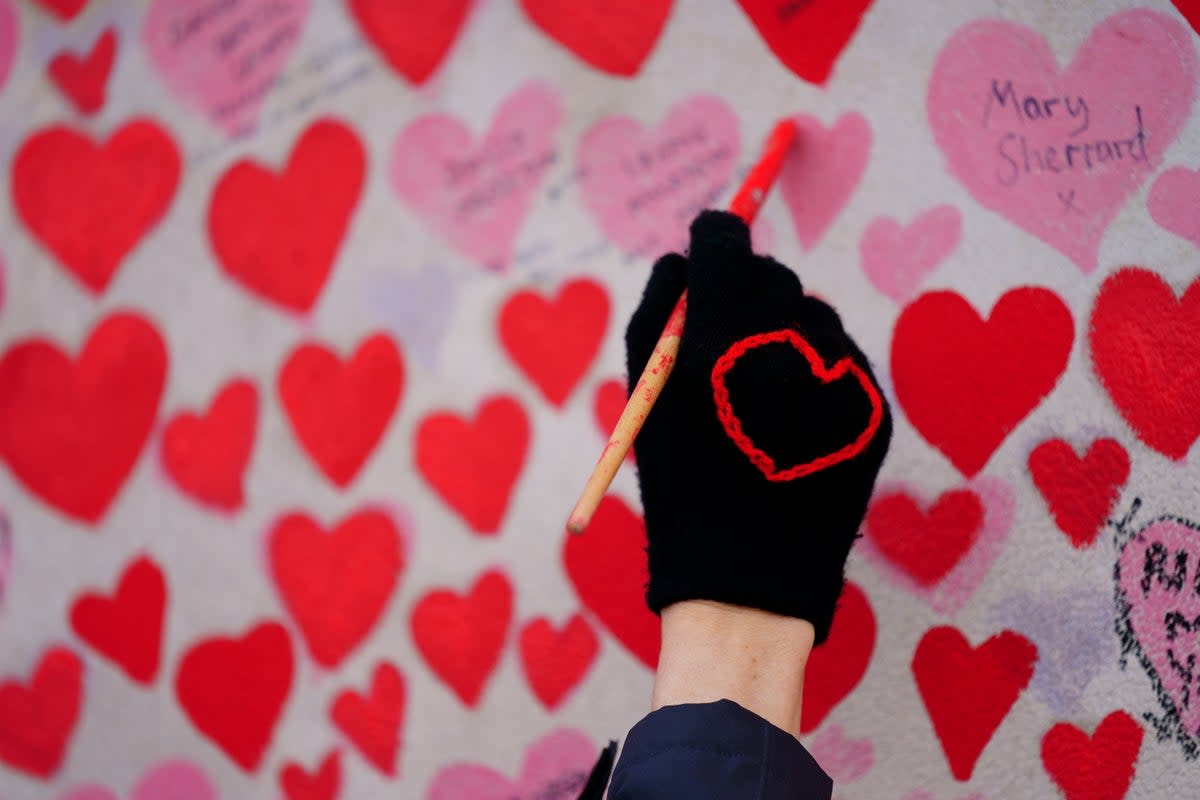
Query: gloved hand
[758,459]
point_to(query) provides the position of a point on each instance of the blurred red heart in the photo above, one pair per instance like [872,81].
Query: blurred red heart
[412,37]
[808,36]
[556,660]
[298,784]
[206,454]
[837,666]
[127,627]
[372,721]
[37,719]
[83,80]
[614,36]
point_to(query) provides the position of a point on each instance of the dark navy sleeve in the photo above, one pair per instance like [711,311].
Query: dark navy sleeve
[714,750]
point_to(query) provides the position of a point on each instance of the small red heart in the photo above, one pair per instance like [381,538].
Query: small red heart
[968,691]
[103,404]
[278,235]
[461,637]
[128,627]
[83,80]
[733,425]
[837,666]
[88,204]
[65,10]
[337,585]
[808,36]
[607,566]
[1146,353]
[965,383]
[207,454]
[413,37]
[233,689]
[555,661]
[1099,767]
[608,405]
[614,36]
[36,721]
[1079,491]
[555,341]
[340,410]
[372,722]
[473,464]
[299,784]
[926,545]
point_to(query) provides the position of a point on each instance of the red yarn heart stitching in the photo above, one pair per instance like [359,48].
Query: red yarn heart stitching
[733,425]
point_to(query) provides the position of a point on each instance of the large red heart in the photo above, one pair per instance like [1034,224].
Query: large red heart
[127,627]
[808,36]
[461,637]
[414,36]
[340,410]
[90,205]
[52,410]
[473,464]
[83,80]
[968,691]
[733,425]
[1079,491]
[555,661]
[614,36]
[298,784]
[337,585]
[278,235]
[837,666]
[36,721]
[207,454]
[65,10]
[1145,348]
[965,383]
[1099,767]
[607,565]
[555,341]
[926,545]
[372,722]
[233,689]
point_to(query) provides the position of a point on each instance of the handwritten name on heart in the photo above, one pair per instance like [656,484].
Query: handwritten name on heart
[476,194]
[822,170]
[37,718]
[1059,153]
[1173,201]
[177,780]
[223,58]
[644,186]
[897,258]
[1158,584]
[555,767]
[1146,352]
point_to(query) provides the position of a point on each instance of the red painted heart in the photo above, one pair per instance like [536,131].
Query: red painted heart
[278,235]
[461,637]
[36,720]
[926,545]
[808,36]
[65,10]
[614,36]
[1096,767]
[555,661]
[83,80]
[337,585]
[474,464]
[1079,491]
[968,691]
[837,666]
[372,721]
[127,628]
[340,410]
[733,425]
[234,689]
[207,454]
[103,404]
[299,784]
[413,36]
[90,205]
[607,566]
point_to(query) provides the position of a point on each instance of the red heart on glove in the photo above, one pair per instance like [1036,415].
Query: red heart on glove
[733,425]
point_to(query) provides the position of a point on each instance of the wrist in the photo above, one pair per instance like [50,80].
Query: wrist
[713,651]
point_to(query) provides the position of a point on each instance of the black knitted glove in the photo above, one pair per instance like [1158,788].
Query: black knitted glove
[757,461]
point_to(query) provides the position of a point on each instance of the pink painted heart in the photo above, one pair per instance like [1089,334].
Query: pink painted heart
[476,194]
[954,587]
[8,39]
[177,780]
[843,759]
[223,58]
[644,186]
[897,258]
[1158,575]
[822,170]
[555,768]
[1174,203]
[1060,152]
